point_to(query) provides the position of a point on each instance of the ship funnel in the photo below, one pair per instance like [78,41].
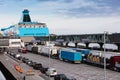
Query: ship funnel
[26,17]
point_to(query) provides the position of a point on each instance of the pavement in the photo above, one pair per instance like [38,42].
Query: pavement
[9,64]
[79,71]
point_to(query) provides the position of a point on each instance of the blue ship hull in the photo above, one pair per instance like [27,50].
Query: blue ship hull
[33,31]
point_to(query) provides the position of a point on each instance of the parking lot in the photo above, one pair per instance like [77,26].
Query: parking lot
[79,71]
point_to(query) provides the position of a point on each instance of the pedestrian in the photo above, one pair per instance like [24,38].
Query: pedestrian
[24,78]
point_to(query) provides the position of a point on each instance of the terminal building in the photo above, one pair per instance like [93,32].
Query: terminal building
[26,29]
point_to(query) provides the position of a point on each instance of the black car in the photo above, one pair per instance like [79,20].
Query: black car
[8,52]
[28,62]
[37,66]
[20,58]
[63,77]
[31,63]
[44,69]
[24,59]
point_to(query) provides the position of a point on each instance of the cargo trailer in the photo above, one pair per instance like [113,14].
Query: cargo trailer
[45,50]
[29,48]
[70,55]
[37,49]
[84,52]
[97,58]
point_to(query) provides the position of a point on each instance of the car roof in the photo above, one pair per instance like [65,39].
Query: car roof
[51,69]
[70,77]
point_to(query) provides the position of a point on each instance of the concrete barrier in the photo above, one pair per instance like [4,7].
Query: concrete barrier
[6,73]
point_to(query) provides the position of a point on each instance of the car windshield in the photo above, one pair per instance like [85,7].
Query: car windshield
[62,76]
[54,70]
[70,78]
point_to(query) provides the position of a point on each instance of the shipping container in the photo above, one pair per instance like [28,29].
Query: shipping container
[29,48]
[45,50]
[71,55]
[11,43]
[36,49]
[85,52]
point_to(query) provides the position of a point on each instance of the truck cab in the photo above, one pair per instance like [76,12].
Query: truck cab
[115,63]
[117,66]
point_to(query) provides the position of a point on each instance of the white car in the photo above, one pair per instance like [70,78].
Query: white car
[17,55]
[51,72]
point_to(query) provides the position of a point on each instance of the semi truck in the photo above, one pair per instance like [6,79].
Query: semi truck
[46,50]
[84,52]
[30,46]
[97,58]
[36,49]
[70,55]
[8,43]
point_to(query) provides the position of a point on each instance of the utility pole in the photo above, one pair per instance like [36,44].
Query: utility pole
[49,54]
[105,74]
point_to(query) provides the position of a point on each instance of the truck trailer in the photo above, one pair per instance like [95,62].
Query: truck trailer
[70,55]
[97,58]
[8,43]
[46,50]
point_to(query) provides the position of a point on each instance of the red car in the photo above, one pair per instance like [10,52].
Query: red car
[22,50]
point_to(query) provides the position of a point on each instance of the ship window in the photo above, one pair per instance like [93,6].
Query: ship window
[37,26]
[43,25]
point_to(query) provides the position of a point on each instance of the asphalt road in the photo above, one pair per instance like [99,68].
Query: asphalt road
[9,64]
[79,71]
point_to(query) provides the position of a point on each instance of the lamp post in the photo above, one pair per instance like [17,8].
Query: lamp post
[49,54]
[49,50]
[105,74]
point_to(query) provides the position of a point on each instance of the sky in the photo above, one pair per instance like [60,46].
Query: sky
[65,16]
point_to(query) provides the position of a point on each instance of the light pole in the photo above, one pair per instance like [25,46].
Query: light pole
[49,50]
[49,54]
[105,74]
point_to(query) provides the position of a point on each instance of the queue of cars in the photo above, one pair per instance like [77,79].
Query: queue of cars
[35,65]
[52,72]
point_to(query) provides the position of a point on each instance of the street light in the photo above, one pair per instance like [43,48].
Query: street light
[49,50]
[50,47]
[49,54]
[105,74]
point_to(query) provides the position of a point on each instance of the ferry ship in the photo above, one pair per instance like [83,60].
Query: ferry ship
[26,27]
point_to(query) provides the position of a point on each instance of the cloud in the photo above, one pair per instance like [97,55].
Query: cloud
[84,25]
[46,0]
[83,7]
[92,8]
[70,8]
[1,2]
